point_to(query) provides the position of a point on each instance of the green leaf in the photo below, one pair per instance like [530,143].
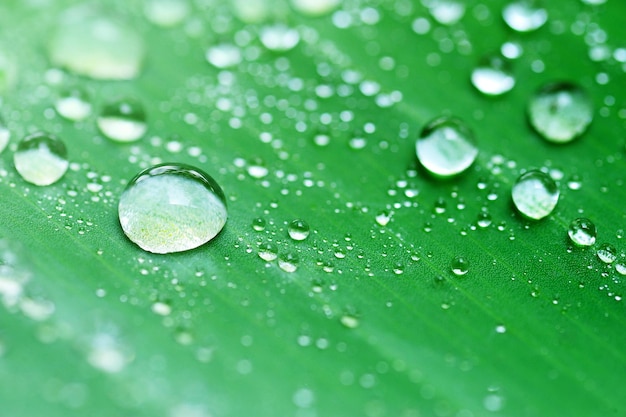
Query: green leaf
[373,322]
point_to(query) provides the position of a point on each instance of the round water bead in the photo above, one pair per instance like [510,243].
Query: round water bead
[298,229]
[459,266]
[524,15]
[446,147]
[279,37]
[123,121]
[41,159]
[607,253]
[224,55]
[560,112]
[315,7]
[172,208]
[73,104]
[582,232]
[166,13]
[493,76]
[96,45]
[535,194]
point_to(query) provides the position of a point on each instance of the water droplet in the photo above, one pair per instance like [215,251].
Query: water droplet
[166,13]
[224,55]
[5,134]
[298,229]
[288,262]
[484,220]
[268,251]
[524,16]
[500,329]
[123,121]
[257,168]
[459,266]
[172,208]
[107,355]
[73,104]
[607,253]
[582,232]
[315,7]
[258,224]
[349,321]
[493,76]
[446,147]
[97,46]
[446,12]
[279,37]
[620,268]
[383,218]
[535,194]
[41,159]
[161,308]
[574,183]
[321,139]
[560,112]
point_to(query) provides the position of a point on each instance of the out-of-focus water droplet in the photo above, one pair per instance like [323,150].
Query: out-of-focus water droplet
[594,2]
[459,266]
[258,224]
[172,208]
[349,321]
[161,308]
[279,37]
[500,329]
[123,121]
[166,13]
[90,43]
[560,112]
[5,135]
[73,104]
[321,139]
[315,7]
[268,251]
[511,50]
[41,159]
[298,229]
[446,12]
[535,194]
[224,55]
[493,76]
[257,168]
[288,262]
[607,253]
[574,183]
[383,218]
[582,232]
[8,72]
[524,15]
[446,147]
[107,355]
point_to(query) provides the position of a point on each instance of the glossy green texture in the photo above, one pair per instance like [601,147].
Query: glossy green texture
[372,322]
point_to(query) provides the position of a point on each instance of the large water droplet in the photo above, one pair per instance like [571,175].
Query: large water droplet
[535,194]
[524,15]
[41,159]
[446,147]
[95,45]
[493,76]
[172,208]
[582,232]
[298,229]
[123,121]
[560,112]
[73,104]
[607,253]
[279,37]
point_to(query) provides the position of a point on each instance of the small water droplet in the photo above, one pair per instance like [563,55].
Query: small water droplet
[256,168]
[383,218]
[493,76]
[607,253]
[582,232]
[279,37]
[41,159]
[73,104]
[268,251]
[446,12]
[621,268]
[560,112]
[484,220]
[500,329]
[298,229]
[524,15]
[123,121]
[574,183]
[288,262]
[258,224]
[459,266]
[172,208]
[535,194]
[166,13]
[161,308]
[224,55]
[349,321]
[446,147]
[5,133]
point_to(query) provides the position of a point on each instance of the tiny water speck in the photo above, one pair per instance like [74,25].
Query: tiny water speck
[524,15]
[41,159]
[560,112]
[123,121]
[582,232]
[535,194]
[172,208]
[493,76]
[446,147]
[607,253]
[298,229]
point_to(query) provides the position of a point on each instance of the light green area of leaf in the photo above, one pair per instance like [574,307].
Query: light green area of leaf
[535,328]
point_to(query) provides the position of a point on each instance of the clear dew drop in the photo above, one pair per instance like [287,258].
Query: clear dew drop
[349,321]
[95,45]
[279,37]
[161,308]
[315,7]
[493,76]
[123,121]
[607,253]
[582,232]
[258,224]
[172,208]
[620,268]
[446,12]
[524,15]
[41,159]
[224,55]
[268,251]
[5,135]
[535,194]
[446,147]
[459,266]
[298,229]
[166,13]
[560,112]
[383,218]
[288,262]
[73,104]
[484,220]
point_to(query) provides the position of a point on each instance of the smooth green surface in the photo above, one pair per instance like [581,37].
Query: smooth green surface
[246,338]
